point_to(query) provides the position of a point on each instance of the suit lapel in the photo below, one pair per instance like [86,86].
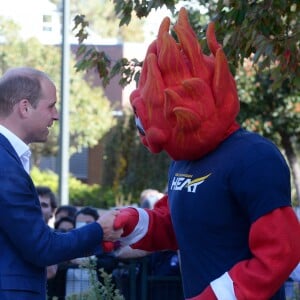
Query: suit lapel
[4,143]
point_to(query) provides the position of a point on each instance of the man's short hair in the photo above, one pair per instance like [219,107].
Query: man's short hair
[88,211]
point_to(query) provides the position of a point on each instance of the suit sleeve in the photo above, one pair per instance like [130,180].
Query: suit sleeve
[275,244]
[24,230]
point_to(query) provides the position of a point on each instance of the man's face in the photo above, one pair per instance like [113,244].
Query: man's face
[46,208]
[41,118]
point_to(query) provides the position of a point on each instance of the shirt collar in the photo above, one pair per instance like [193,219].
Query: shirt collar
[20,147]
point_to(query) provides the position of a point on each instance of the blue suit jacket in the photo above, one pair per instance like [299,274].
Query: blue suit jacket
[27,244]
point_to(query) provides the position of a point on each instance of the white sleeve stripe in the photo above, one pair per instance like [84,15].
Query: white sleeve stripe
[139,231]
[223,287]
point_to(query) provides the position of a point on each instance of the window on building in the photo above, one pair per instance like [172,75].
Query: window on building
[47,18]
[47,23]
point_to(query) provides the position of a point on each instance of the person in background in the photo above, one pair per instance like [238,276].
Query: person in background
[86,215]
[48,202]
[65,211]
[149,197]
[78,274]
[56,285]
[28,245]
[48,205]
[159,263]
[64,224]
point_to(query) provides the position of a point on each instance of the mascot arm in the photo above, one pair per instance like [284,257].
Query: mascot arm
[272,239]
[147,229]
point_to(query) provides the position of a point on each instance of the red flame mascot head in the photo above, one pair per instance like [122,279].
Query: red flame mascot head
[186,102]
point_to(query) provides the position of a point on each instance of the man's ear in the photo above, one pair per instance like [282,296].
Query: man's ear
[24,107]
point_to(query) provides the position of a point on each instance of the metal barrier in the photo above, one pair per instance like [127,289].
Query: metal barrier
[134,282]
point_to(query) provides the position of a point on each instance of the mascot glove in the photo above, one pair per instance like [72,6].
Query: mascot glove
[134,222]
[109,246]
[127,219]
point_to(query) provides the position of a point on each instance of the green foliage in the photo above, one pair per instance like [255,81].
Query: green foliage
[103,21]
[80,194]
[263,110]
[128,69]
[45,178]
[273,114]
[125,9]
[268,32]
[99,291]
[108,290]
[108,196]
[92,58]
[129,166]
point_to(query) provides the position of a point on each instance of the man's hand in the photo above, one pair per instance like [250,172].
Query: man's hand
[106,221]
[126,220]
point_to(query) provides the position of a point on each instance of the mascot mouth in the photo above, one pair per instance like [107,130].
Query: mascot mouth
[139,126]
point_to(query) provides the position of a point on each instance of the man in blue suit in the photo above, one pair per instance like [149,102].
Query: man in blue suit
[27,244]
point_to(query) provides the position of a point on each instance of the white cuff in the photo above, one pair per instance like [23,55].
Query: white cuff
[223,287]
[140,229]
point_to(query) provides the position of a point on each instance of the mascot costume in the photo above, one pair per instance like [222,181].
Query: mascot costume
[228,207]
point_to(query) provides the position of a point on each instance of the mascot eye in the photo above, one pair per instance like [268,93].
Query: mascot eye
[139,126]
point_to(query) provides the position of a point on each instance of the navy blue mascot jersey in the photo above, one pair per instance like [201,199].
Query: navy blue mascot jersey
[214,200]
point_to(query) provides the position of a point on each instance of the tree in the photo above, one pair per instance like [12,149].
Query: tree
[276,115]
[129,166]
[85,100]
[103,21]
[265,32]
